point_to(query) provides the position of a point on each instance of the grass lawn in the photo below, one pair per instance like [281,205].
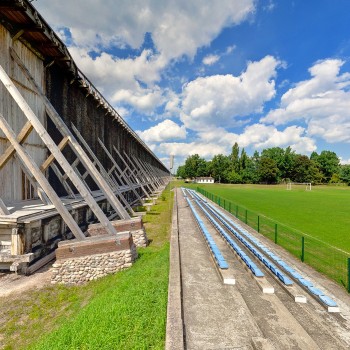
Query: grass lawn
[323,213]
[126,310]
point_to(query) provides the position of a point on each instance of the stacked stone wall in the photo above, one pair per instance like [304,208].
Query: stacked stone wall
[82,261]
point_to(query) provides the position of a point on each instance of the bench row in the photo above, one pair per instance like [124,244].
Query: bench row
[245,258]
[220,260]
[301,280]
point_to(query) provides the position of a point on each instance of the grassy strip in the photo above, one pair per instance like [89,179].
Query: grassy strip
[122,311]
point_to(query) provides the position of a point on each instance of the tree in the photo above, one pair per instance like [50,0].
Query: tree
[235,164]
[195,166]
[219,166]
[283,158]
[328,162]
[181,172]
[267,170]
[345,174]
[305,170]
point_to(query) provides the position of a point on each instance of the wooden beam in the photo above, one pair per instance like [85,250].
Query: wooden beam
[39,176]
[21,137]
[115,165]
[51,158]
[3,208]
[50,144]
[131,172]
[102,171]
[78,150]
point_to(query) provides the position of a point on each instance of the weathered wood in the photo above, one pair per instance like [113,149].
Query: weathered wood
[134,174]
[131,172]
[3,208]
[148,177]
[115,165]
[104,174]
[51,158]
[39,176]
[21,137]
[77,149]
[39,128]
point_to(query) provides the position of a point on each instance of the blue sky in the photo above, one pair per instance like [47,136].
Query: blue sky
[197,76]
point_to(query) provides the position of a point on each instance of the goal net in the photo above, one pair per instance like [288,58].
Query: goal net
[306,185]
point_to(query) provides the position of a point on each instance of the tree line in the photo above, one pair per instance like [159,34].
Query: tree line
[272,165]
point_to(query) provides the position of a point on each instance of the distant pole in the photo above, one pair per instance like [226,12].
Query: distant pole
[302,248]
[276,233]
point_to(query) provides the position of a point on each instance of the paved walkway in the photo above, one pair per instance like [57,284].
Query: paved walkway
[203,313]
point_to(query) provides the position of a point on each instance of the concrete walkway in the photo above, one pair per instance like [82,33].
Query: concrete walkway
[203,313]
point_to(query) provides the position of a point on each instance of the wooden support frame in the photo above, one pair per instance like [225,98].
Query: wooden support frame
[77,149]
[139,175]
[116,166]
[102,169]
[148,176]
[39,176]
[21,137]
[55,151]
[3,208]
[131,172]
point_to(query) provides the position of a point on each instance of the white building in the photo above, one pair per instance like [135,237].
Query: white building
[204,180]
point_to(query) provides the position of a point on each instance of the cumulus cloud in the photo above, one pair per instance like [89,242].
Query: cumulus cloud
[177,27]
[166,130]
[322,102]
[181,149]
[224,99]
[210,59]
[260,136]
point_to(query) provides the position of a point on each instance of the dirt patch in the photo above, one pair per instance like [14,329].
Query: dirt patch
[12,284]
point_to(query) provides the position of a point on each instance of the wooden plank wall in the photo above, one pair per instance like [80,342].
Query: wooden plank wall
[74,106]
[10,175]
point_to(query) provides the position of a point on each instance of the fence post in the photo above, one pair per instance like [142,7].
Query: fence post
[219,202]
[302,248]
[229,207]
[348,275]
[258,223]
[236,211]
[276,233]
[246,216]
[224,204]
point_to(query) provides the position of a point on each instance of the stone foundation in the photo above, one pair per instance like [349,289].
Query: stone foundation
[134,225]
[82,261]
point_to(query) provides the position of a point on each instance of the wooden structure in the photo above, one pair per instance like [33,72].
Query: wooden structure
[67,158]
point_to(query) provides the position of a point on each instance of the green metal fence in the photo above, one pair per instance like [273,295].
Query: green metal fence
[321,256]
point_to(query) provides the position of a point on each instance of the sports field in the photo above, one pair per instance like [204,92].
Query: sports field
[323,212]
[313,225]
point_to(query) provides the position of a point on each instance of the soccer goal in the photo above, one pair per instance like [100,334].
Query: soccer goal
[306,185]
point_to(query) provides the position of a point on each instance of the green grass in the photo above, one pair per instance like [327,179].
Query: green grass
[126,310]
[320,216]
[322,213]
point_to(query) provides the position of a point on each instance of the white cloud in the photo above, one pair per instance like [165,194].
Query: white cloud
[181,149]
[177,27]
[221,99]
[344,161]
[322,102]
[260,136]
[210,59]
[166,130]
